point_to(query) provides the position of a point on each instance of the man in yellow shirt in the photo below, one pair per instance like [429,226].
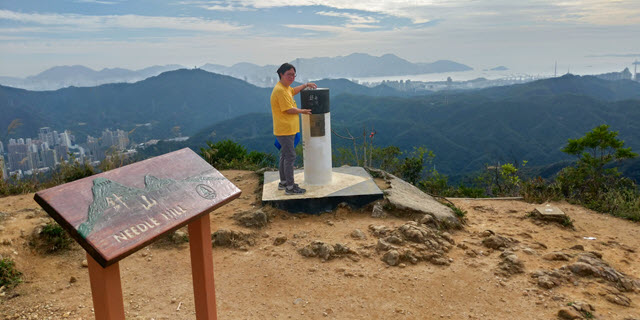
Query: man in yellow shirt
[286,123]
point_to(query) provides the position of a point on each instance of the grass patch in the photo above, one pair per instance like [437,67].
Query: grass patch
[51,238]
[9,276]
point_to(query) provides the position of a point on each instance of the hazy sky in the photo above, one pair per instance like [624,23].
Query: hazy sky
[520,34]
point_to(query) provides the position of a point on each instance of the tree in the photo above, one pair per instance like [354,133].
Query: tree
[595,151]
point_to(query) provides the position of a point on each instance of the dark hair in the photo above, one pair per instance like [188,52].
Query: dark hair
[284,68]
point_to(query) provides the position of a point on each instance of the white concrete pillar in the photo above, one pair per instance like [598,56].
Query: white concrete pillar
[316,137]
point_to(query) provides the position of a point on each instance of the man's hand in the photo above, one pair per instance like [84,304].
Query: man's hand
[297,111]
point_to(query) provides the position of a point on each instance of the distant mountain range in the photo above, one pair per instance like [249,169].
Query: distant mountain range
[354,65]
[81,76]
[465,129]
[188,98]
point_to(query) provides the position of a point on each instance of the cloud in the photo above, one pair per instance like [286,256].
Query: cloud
[351,17]
[129,21]
[601,12]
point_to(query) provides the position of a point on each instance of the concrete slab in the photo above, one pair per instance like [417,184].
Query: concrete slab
[549,211]
[352,185]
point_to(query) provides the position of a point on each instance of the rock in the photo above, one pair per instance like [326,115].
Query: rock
[557,256]
[617,298]
[405,196]
[498,242]
[179,237]
[440,261]
[358,234]
[279,240]
[379,231]
[252,219]
[85,263]
[326,251]
[487,233]
[546,282]
[582,307]
[529,251]
[447,236]
[231,238]
[583,269]
[384,246]
[577,247]
[341,249]
[378,211]
[394,240]
[569,314]
[590,265]
[392,257]
[428,220]
[510,264]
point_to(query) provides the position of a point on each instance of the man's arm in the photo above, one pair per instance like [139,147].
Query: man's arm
[299,88]
[296,111]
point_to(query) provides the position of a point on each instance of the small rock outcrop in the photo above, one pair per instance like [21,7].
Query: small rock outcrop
[252,219]
[510,264]
[326,251]
[412,242]
[232,239]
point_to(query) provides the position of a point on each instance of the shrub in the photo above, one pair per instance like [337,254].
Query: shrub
[539,191]
[50,238]
[9,276]
[227,154]
[72,170]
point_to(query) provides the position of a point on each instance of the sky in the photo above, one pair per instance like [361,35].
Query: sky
[582,36]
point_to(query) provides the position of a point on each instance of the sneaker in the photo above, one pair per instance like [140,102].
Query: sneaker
[282,185]
[295,190]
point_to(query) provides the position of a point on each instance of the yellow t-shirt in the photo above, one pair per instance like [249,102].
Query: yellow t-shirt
[284,124]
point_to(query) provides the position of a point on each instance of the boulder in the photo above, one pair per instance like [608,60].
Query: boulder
[405,196]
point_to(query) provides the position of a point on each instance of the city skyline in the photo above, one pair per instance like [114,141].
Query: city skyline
[136,34]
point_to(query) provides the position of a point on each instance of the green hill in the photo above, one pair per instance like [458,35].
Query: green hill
[469,129]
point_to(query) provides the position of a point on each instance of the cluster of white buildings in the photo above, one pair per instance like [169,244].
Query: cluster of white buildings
[25,156]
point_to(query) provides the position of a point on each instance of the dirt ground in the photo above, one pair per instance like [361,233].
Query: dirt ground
[268,277]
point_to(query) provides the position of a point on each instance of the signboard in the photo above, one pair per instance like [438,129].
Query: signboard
[115,213]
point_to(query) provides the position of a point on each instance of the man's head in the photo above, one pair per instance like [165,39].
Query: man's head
[284,68]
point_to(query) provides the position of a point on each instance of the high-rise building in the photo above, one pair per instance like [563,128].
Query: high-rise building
[19,158]
[118,138]
[62,152]
[46,135]
[122,139]
[95,153]
[65,140]
[1,148]
[3,169]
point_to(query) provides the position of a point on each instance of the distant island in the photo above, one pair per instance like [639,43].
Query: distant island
[500,68]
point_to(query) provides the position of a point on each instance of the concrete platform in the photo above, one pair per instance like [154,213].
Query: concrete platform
[352,185]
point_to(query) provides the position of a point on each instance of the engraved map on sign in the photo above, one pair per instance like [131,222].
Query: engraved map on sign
[111,199]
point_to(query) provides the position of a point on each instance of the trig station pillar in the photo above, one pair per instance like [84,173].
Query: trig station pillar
[316,137]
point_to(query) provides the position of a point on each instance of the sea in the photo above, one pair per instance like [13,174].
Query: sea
[522,72]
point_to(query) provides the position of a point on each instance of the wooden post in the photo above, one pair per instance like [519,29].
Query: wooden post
[106,290]
[202,268]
